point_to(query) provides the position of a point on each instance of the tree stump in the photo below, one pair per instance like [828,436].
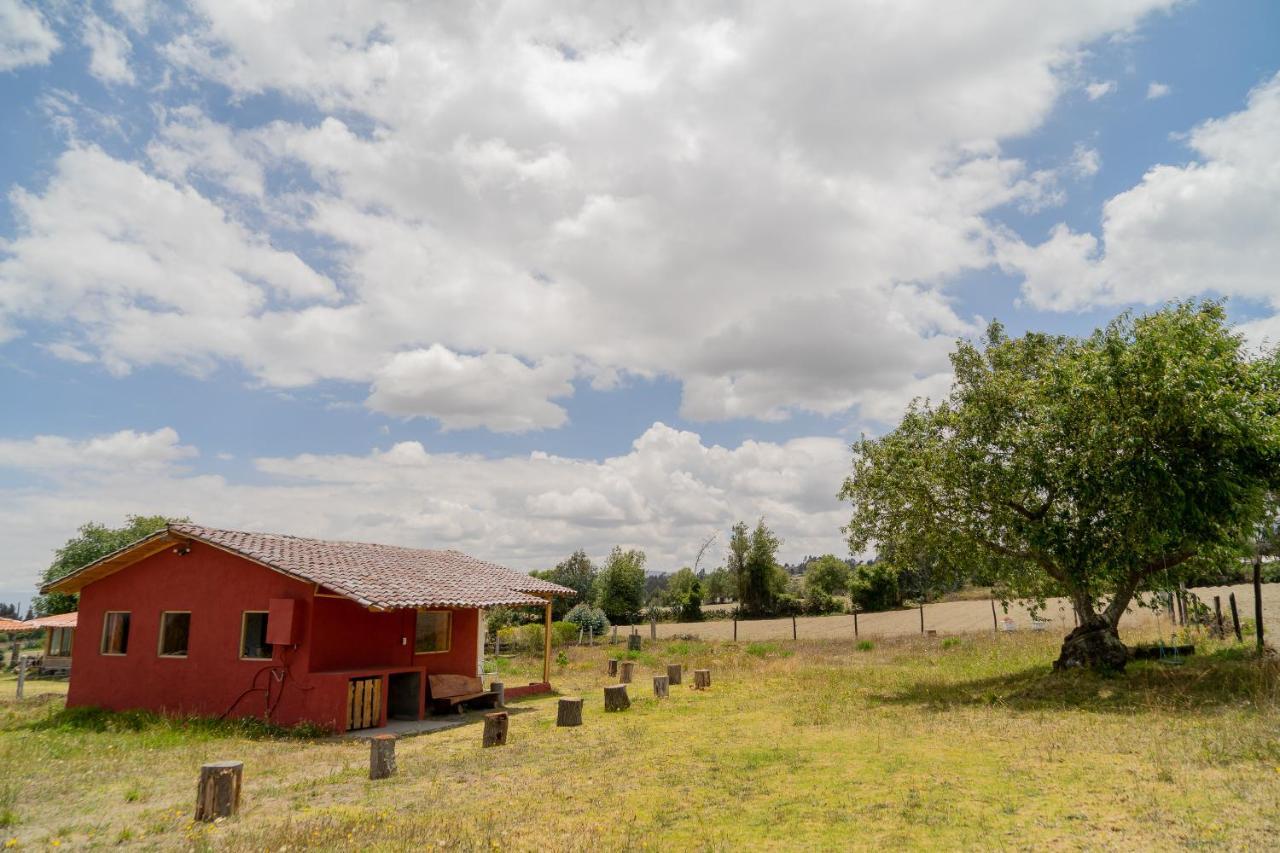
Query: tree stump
[660,686]
[569,711]
[615,698]
[633,642]
[501,689]
[674,673]
[628,670]
[495,728]
[382,756]
[613,667]
[701,679]
[218,794]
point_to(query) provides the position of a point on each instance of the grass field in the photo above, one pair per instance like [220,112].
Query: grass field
[960,742]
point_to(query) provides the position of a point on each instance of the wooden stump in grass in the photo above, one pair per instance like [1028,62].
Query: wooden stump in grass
[633,642]
[660,686]
[495,728]
[218,794]
[701,679]
[382,756]
[499,688]
[569,711]
[628,670]
[613,667]
[674,671]
[615,698]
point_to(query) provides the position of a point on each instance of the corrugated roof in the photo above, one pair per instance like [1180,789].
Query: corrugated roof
[383,576]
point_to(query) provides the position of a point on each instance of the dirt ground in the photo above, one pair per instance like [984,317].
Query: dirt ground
[964,617]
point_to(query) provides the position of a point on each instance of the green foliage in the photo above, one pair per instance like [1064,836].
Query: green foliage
[92,542]
[563,633]
[620,585]
[84,718]
[1094,466]
[828,575]
[719,585]
[684,595]
[864,645]
[585,616]
[761,581]
[497,618]
[562,659]
[874,586]
[576,572]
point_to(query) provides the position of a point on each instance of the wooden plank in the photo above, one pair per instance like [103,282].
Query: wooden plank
[351,696]
[368,703]
[377,702]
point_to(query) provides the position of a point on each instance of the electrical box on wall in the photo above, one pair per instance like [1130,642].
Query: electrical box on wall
[284,622]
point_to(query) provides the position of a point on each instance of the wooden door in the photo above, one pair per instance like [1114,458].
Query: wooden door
[364,703]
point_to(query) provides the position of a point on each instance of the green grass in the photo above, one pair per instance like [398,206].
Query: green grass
[797,745]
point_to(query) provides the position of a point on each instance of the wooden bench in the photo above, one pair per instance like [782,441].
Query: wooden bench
[449,693]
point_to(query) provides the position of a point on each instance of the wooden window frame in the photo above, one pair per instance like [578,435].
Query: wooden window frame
[448,643]
[58,637]
[160,637]
[106,620]
[244,625]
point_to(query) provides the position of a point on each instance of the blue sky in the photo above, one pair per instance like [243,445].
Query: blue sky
[532,281]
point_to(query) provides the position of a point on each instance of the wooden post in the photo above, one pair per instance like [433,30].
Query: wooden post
[855,624]
[674,671]
[793,626]
[22,675]
[495,728]
[615,698]
[633,642]
[382,756]
[653,627]
[995,623]
[218,794]
[569,711]
[628,670]
[660,686]
[591,635]
[735,624]
[1257,600]
[613,667]
[922,617]
[1235,616]
[15,650]
[501,689]
[1217,616]
[546,651]
[615,635]
[701,679]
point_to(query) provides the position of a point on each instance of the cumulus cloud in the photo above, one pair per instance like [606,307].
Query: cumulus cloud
[1157,90]
[109,50]
[25,36]
[1100,89]
[1209,226]
[493,390]
[637,191]
[665,495]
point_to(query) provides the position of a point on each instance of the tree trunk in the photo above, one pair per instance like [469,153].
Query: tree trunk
[569,711]
[1094,644]
[613,667]
[628,668]
[674,672]
[660,686]
[495,728]
[218,794]
[382,756]
[615,698]
[701,679]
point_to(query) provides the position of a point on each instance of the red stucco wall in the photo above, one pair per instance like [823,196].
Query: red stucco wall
[216,587]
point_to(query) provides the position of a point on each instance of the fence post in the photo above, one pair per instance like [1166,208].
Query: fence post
[855,624]
[995,623]
[735,624]
[1257,599]
[653,627]
[1217,615]
[1235,616]
[22,675]
[922,617]
[793,627]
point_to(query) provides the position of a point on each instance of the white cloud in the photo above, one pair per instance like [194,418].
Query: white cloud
[109,50]
[493,390]
[1208,227]
[25,36]
[665,495]
[635,191]
[1100,89]
[1085,161]
[1157,90]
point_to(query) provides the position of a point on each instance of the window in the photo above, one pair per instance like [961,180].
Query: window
[60,642]
[115,632]
[253,636]
[432,634]
[175,630]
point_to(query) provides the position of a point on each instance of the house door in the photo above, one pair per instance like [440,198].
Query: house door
[364,703]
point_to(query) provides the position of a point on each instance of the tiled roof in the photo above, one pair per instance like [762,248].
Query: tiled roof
[14,625]
[59,620]
[384,576]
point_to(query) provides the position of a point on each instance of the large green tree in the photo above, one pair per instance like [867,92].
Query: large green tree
[92,542]
[827,575]
[620,585]
[576,572]
[1095,467]
[761,581]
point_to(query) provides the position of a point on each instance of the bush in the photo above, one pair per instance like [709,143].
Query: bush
[563,633]
[590,618]
[874,586]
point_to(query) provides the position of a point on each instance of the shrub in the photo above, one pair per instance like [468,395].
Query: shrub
[874,586]
[590,618]
[865,645]
[563,633]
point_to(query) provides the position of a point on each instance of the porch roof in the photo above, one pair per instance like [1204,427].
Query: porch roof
[386,577]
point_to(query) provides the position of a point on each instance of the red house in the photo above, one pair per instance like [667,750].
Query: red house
[194,620]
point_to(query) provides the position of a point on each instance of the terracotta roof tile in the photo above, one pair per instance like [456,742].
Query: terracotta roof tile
[385,576]
[59,620]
